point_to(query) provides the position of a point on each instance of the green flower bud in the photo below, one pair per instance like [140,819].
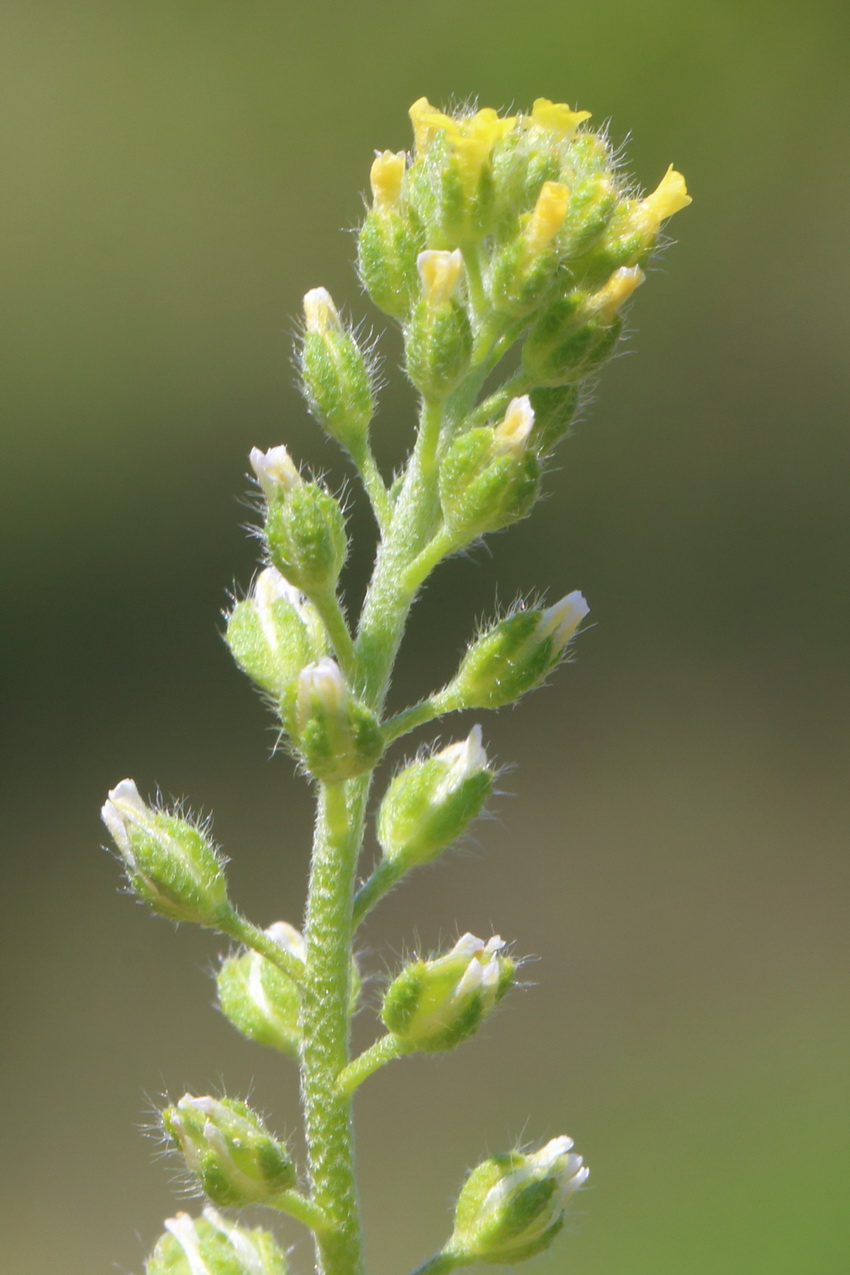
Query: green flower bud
[261,1001]
[390,240]
[335,375]
[515,656]
[524,270]
[229,1149]
[512,1206]
[273,633]
[577,332]
[430,803]
[437,337]
[305,527]
[490,477]
[434,1005]
[171,864]
[336,736]
[211,1245]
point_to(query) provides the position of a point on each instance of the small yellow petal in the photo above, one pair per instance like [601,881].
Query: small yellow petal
[557,117]
[607,301]
[669,196]
[440,273]
[386,177]
[512,434]
[320,313]
[427,122]
[548,215]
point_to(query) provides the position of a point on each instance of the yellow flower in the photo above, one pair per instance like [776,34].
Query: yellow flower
[440,273]
[669,196]
[607,301]
[472,137]
[547,217]
[386,177]
[557,117]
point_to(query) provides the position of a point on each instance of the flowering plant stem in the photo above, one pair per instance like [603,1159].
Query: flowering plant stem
[496,231]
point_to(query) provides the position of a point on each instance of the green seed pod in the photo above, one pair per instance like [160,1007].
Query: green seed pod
[212,1245]
[335,374]
[171,864]
[305,527]
[229,1149]
[273,633]
[336,736]
[431,803]
[434,1005]
[512,1206]
[515,656]
[438,337]
[490,477]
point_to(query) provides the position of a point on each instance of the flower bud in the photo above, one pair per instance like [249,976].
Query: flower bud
[490,476]
[514,656]
[212,1245]
[261,1001]
[569,339]
[524,269]
[336,735]
[305,527]
[170,863]
[512,1206]
[257,997]
[430,803]
[335,374]
[434,1005]
[227,1146]
[273,633]
[438,337]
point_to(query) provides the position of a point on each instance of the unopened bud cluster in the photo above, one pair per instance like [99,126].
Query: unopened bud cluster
[213,1245]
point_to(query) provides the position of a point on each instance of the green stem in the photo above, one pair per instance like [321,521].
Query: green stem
[440,1264]
[304,1210]
[336,626]
[325,1026]
[250,935]
[381,881]
[375,487]
[439,547]
[409,718]
[377,1055]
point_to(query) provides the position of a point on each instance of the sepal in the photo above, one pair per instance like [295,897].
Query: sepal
[335,374]
[171,863]
[434,1005]
[512,1206]
[430,803]
[514,656]
[212,1245]
[274,632]
[490,476]
[235,1158]
[336,736]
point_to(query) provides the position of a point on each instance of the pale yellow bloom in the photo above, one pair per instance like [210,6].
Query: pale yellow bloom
[386,177]
[472,137]
[607,301]
[547,216]
[512,434]
[440,273]
[669,196]
[320,313]
[557,117]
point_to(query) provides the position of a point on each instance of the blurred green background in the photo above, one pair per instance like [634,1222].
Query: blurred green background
[175,176]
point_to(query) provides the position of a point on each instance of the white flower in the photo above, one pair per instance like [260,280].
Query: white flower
[561,620]
[275,470]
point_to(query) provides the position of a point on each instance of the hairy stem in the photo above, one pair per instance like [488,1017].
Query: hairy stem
[325,1027]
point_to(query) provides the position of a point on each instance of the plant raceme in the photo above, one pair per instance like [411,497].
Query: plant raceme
[495,235]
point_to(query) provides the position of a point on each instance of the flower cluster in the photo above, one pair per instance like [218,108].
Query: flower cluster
[496,236]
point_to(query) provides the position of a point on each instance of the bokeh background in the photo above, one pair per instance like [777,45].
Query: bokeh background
[176,175]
